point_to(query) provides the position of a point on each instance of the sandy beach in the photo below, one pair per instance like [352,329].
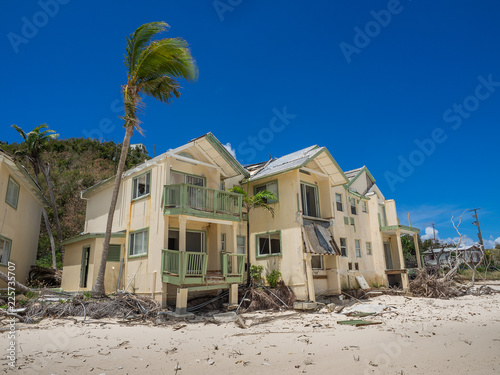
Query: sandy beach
[417,336]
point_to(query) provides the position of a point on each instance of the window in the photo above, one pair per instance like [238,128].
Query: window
[141,185]
[271,186]
[357,244]
[138,244]
[368,248]
[364,206]
[84,267]
[310,204]
[353,206]
[269,244]
[338,198]
[114,253]
[12,197]
[356,266]
[195,240]
[350,266]
[241,242]
[317,262]
[223,241]
[5,246]
[343,247]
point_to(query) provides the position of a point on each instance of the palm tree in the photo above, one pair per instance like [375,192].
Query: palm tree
[34,143]
[152,69]
[258,200]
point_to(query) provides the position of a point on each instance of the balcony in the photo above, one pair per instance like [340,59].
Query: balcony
[190,268]
[185,199]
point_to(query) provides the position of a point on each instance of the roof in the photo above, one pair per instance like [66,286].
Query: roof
[22,174]
[299,159]
[352,173]
[450,249]
[86,236]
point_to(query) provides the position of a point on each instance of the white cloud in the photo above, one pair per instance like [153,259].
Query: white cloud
[490,244]
[466,240]
[231,150]
[429,233]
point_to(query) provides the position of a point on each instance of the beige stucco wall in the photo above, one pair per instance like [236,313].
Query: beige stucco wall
[21,225]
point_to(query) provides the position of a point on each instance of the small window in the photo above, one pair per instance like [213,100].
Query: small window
[138,243]
[12,197]
[272,187]
[141,185]
[338,198]
[222,186]
[317,262]
[5,246]
[368,248]
[269,244]
[364,206]
[350,266]
[346,220]
[343,247]
[223,241]
[356,266]
[357,244]
[114,253]
[241,242]
[353,206]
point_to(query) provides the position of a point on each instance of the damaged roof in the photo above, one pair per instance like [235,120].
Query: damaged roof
[298,159]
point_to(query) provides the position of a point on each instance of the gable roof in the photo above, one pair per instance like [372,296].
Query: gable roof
[22,174]
[299,159]
[353,175]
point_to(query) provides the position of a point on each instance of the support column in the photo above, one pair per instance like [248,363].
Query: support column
[310,279]
[182,233]
[181,301]
[233,295]
[404,276]
[417,251]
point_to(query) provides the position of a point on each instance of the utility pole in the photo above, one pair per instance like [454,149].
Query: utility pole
[476,223]
[434,230]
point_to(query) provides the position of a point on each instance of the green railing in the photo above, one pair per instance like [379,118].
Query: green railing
[201,201]
[185,267]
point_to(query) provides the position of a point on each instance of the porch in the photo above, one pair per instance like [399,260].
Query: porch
[200,201]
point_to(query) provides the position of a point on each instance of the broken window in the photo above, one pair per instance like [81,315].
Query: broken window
[357,244]
[269,244]
[317,262]
[12,197]
[141,185]
[343,247]
[338,199]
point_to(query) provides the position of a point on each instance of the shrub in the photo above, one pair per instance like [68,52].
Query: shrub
[273,278]
[256,273]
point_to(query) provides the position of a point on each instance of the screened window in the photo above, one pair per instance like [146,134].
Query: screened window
[12,193]
[241,244]
[338,198]
[343,247]
[364,206]
[317,262]
[272,187]
[114,253]
[138,243]
[369,248]
[5,246]
[269,244]
[353,206]
[310,204]
[141,185]
[357,244]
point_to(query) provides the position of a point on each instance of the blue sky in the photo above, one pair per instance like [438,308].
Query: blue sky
[411,89]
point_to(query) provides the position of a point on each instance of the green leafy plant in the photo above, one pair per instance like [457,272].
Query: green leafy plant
[273,278]
[256,273]
[87,295]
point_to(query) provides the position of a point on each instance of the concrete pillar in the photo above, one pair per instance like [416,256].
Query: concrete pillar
[400,250]
[310,279]
[233,295]
[417,250]
[181,301]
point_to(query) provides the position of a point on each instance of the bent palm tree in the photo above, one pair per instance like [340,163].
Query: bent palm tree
[34,143]
[258,200]
[152,69]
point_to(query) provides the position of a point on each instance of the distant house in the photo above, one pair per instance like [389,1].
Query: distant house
[178,230]
[21,203]
[443,256]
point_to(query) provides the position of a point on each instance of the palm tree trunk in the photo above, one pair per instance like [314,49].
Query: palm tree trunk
[98,289]
[50,188]
[17,285]
[51,237]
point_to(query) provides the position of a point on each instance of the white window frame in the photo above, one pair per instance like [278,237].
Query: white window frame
[364,206]
[144,240]
[259,236]
[322,262]
[343,246]
[6,247]
[12,184]
[136,194]
[357,246]
[354,209]
[243,247]
[368,248]
[271,186]
[339,202]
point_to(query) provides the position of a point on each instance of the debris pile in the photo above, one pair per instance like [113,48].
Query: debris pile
[262,298]
[40,277]
[431,285]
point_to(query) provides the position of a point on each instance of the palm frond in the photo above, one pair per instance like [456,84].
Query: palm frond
[239,190]
[137,41]
[161,88]
[20,131]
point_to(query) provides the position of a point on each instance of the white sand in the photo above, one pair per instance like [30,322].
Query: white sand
[427,336]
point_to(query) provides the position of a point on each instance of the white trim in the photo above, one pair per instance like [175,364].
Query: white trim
[315,172]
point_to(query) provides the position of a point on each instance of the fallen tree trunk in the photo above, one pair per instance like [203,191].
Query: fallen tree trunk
[17,285]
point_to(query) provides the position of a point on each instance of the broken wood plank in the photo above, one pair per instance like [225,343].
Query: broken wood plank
[358,323]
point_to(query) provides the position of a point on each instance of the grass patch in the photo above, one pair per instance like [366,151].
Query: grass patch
[490,275]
